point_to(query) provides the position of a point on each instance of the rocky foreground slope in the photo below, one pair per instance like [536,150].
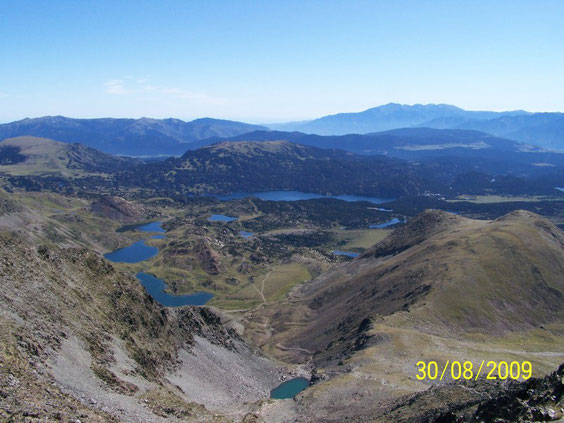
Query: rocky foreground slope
[536,400]
[80,340]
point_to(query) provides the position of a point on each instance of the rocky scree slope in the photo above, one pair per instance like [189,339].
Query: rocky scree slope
[535,400]
[123,343]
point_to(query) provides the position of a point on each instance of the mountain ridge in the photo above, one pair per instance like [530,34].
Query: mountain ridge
[385,117]
[544,129]
[394,142]
[170,136]
[442,287]
[42,156]
[276,165]
[132,137]
[395,277]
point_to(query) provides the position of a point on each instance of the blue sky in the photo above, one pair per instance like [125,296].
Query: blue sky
[270,61]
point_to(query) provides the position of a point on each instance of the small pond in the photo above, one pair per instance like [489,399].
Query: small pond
[155,288]
[290,388]
[246,234]
[221,218]
[135,253]
[345,253]
[143,227]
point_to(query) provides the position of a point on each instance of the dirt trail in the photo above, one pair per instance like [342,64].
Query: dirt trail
[261,292]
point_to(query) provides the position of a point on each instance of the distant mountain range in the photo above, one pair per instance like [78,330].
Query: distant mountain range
[541,129]
[389,116]
[132,137]
[470,130]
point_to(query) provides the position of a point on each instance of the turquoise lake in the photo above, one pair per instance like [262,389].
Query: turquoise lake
[345,253]
[290,388]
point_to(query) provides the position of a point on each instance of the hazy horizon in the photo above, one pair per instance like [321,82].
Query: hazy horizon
[275,121]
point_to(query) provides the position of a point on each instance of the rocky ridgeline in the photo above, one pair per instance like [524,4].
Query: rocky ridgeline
[52,297]
[117,208]
[535,400]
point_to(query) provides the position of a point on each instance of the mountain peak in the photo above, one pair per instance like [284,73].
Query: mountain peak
[417,230]
[401,106]
[395,115]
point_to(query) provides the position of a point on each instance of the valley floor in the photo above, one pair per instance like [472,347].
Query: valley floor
[439,288]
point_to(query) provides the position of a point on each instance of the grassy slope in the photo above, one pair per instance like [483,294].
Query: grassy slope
[360,239]
[281,241]
[43,157]
[495,293]
[489,199]
[46,217]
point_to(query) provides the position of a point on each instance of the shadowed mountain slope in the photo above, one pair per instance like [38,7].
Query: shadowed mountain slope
[537,399]
[277,165]
[543,129]
[40,156]
[409,143]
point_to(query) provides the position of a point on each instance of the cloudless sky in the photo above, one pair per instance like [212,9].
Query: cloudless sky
[269,61]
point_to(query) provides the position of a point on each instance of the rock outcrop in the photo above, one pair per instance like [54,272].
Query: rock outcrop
[117,208]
